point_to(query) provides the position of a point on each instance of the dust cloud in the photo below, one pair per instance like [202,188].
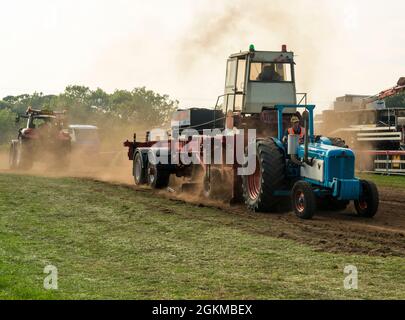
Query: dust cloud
[108,163]
[268,25]
[111,164]
[333,125]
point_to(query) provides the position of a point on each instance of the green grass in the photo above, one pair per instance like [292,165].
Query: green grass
[110,242]
[385,181]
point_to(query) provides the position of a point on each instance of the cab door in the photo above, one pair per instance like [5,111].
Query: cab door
[234,85]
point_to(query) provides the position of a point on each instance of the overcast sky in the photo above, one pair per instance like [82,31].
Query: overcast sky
[179,47]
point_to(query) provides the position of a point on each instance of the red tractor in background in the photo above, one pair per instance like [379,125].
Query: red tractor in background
[44,138]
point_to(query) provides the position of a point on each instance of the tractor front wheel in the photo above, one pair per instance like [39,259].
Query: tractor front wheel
[303,200]
[367,205]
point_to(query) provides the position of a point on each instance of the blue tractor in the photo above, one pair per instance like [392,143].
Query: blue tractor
[317,173]
[312,171]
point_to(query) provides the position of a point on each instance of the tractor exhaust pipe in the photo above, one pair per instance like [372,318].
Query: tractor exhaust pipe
[305,115]
[292,149]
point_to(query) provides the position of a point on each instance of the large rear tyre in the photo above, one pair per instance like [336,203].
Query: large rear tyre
[367,205]
[158,178]
[12,158]
[303,200]
[139,170]
[24,159]
[259,188]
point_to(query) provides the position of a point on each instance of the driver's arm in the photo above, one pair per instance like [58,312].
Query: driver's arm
[285,137]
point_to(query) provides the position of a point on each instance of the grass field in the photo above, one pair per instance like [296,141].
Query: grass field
[110,242]
[385,181]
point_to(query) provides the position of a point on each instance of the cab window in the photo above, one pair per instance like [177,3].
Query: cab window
[270,72]
[37,123]
[231,73]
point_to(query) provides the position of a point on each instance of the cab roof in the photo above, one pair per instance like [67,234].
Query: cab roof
[266,56]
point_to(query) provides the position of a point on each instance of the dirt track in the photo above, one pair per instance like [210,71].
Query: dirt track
[384,235]
[337,232]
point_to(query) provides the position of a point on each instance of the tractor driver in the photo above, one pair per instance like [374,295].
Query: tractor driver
[295,129]
[269,73]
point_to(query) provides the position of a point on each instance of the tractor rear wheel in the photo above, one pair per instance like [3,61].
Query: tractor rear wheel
[12,159]
[24,159]
[158,178]
[367,205]
[303,200]
[139,171]
[269,176]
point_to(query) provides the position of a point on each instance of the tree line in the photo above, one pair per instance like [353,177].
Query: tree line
[139,108]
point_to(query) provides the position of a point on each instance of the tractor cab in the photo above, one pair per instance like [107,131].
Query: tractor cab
[41,121]
[259,80]
[256,84]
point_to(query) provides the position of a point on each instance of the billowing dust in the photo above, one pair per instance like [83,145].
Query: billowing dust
[109,163]
[231,24]
[191,189]
[329,128]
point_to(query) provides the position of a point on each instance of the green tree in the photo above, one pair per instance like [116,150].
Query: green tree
[4,105]
[99,98]
[8,127]
[122,110]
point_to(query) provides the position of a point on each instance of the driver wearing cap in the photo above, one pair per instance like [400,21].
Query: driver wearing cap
[295,129]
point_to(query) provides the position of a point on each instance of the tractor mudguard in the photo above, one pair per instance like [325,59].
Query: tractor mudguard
[279,144]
